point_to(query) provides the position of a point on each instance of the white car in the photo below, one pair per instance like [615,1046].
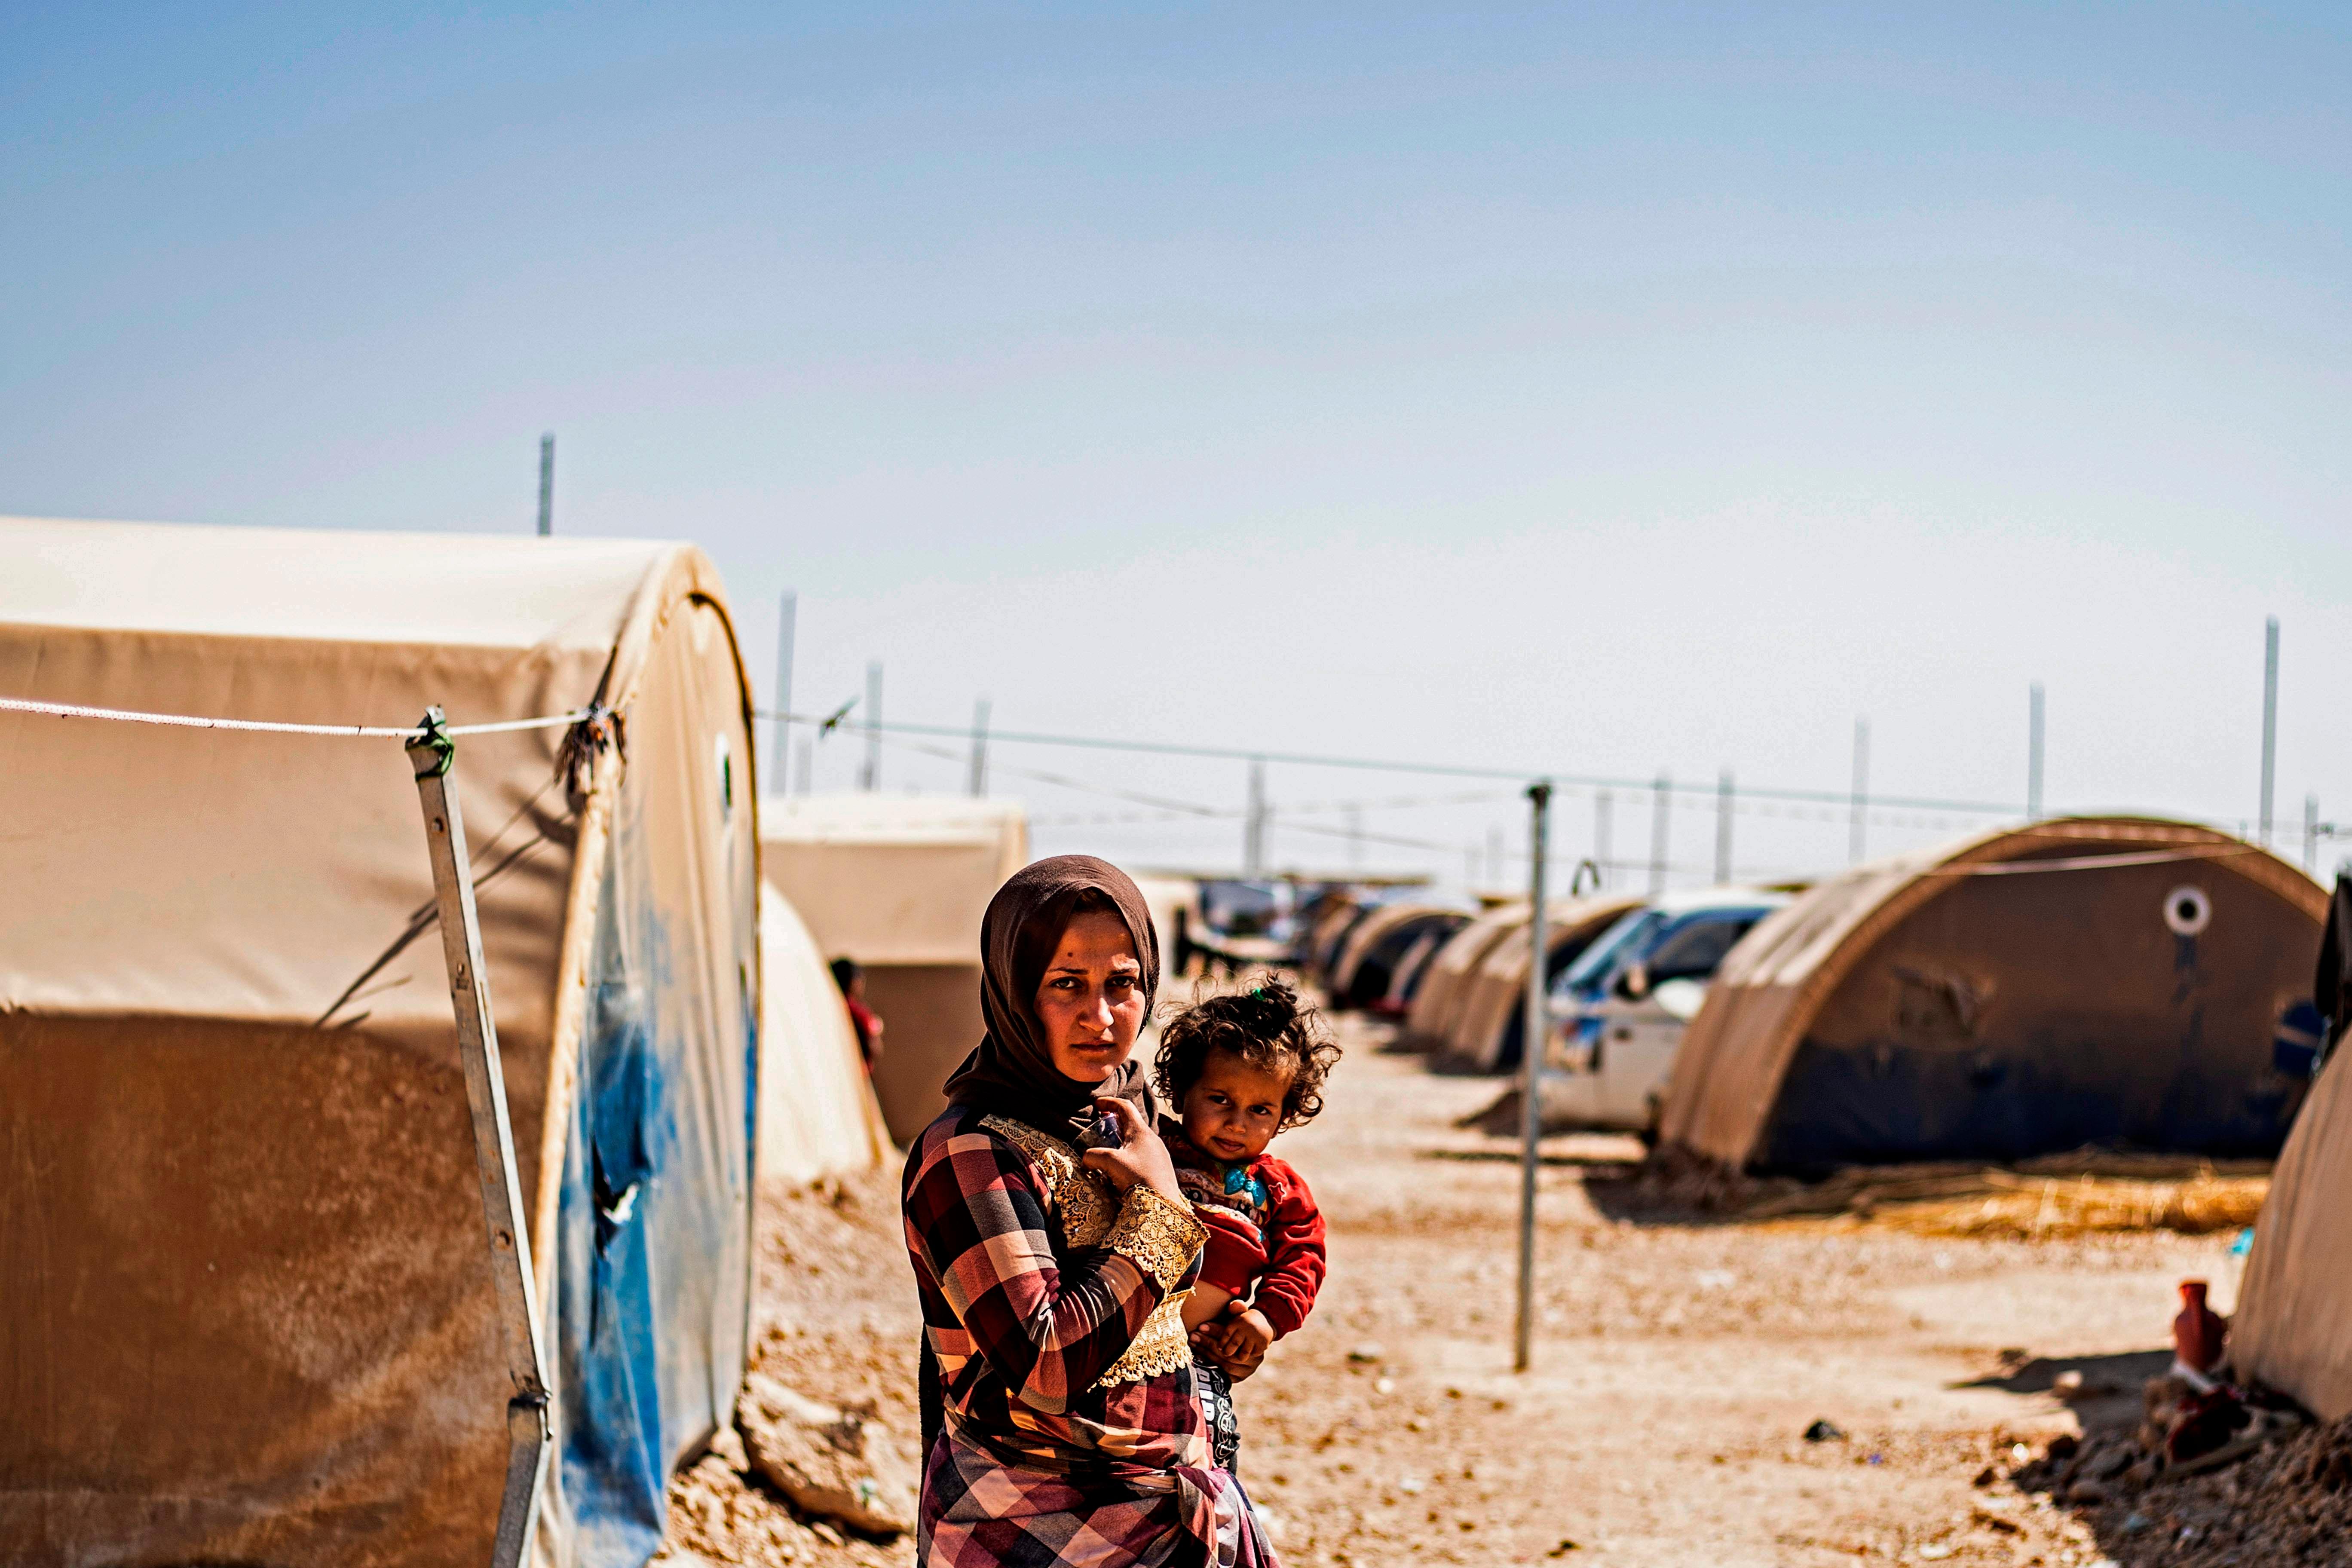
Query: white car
[1619,1011]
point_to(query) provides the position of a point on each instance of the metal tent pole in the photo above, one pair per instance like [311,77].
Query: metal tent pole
[1723,830]
[2270,722]
[2034,756]
[547,484]
[787,625]
[1661,824]
[870,777]
[977,783]
[1857,839]
[1531,1053]
[433,754]
[1603,811]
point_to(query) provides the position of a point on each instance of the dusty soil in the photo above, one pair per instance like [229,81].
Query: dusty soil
[1677,1364]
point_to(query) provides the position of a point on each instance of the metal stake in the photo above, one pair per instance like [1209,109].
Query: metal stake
[432,753]
[547,484]
[1531,1053]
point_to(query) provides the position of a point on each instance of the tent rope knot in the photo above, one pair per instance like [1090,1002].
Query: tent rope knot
[431,739]
[599,729]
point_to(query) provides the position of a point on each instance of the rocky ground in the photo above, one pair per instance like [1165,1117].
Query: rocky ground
[1679,1365]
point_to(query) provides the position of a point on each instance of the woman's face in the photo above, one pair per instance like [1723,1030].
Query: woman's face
[1091,999]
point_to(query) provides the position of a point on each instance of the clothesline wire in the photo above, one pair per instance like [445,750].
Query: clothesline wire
[272,727]
[1446,770]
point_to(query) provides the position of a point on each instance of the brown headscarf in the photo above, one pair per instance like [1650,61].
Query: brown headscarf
[1013,1073]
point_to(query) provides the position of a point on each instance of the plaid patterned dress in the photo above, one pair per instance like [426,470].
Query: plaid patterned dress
[1052,1305]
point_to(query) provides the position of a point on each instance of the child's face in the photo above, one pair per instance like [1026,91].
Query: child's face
[1234,1108]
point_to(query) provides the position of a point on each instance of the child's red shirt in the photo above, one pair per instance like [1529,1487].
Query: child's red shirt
[1264,1231]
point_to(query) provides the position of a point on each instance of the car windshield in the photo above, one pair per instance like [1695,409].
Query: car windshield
[1245,908]
[1694,946]
[1621,943]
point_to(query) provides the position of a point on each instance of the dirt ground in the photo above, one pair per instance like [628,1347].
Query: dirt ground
[1677,1365]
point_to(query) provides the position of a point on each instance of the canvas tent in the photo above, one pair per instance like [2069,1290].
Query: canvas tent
[1491,1023]
[899,882]
[818,1116]
[1429,1023]
[2023,992]
[249,1311]
[2291,1329]
[1175,906]
[1367,959]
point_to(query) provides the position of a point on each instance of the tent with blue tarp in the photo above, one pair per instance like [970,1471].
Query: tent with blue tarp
[250,1316]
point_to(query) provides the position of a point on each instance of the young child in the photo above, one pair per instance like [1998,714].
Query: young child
[1238,1069]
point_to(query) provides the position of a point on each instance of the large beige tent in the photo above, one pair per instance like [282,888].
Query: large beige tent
[1429,1023]
[1367,960]
[248,1307]
[2029,990]
[2291,1329]
[1492,1014]
[898,883]
[818,1116]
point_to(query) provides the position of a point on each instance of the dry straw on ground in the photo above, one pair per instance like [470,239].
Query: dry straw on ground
[2081,1193]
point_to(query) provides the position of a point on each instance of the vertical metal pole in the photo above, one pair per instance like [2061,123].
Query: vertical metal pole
[1858,837]
[2034,756]
[870,777]
[547,484]
[2270,721]
[1603,810]
[808,766]
[432,754]
[1531,1055]
[1661,826]
[1723,830]
[1254,826]
[786,625]
[978,780]
[2311,834]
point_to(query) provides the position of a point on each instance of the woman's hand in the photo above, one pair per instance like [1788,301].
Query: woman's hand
[1140,1157]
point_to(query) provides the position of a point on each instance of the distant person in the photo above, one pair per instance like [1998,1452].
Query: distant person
[851,978]
[1238,1069]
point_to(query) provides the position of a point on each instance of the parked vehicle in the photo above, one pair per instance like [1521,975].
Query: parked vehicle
[1619,1012]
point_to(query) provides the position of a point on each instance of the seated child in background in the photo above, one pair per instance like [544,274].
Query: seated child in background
[1238,1069]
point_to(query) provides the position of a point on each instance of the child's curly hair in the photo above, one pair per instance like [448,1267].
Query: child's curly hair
[1267,1026]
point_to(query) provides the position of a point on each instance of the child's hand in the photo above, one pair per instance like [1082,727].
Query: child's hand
[1239,1340]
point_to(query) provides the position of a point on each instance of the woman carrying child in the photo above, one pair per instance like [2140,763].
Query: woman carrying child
[1238,1069]
[1053,1262]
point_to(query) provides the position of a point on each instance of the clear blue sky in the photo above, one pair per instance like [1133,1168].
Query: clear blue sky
[1607,388]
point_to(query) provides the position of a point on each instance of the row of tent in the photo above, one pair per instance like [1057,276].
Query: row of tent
[249,1313]
[2020,992]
